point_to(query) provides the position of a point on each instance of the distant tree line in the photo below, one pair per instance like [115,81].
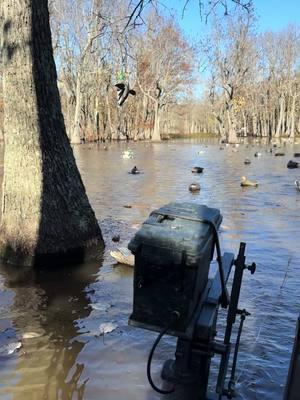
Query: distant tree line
[252,80]
[94,50]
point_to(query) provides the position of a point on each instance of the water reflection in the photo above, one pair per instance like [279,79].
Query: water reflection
[44,314]
[68,360]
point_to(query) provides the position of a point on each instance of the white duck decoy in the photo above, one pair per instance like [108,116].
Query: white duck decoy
[245,182]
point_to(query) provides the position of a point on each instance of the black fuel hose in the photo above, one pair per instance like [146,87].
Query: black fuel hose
[176,315]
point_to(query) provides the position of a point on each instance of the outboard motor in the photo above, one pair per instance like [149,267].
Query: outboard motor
[173,251]
[174,295]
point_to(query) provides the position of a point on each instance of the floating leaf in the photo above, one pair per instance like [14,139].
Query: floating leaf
[10,348]
[107,327]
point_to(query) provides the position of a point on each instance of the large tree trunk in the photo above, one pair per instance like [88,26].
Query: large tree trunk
[75,135]
[292,117]
[45,210]
[280,118]
[156,130]
[254,125]
[109,119]
[232,137]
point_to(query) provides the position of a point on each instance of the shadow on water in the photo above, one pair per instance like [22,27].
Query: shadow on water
[44,312]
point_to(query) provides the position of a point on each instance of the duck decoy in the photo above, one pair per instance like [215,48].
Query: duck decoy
[279,154]
[292,164]
[247,161]
[257,154]
[296,154]
[123,92]
[194,187]
[135,171]
[245,182]
[197,170]
[297,183]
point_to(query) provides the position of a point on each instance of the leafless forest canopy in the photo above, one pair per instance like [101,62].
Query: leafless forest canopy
[249,81]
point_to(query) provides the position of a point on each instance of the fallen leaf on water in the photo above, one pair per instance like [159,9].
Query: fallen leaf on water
[136,226]
[225,227]
[107,327]
[10,348]
[31,335]
[101,306]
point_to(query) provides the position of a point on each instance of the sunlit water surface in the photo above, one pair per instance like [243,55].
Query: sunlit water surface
[67,358]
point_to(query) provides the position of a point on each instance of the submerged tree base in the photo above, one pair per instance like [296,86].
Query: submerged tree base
[70,257]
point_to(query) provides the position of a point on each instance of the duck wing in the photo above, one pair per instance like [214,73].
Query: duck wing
[120,86]
[123,95]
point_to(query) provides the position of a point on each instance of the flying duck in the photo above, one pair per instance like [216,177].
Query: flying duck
[123,92]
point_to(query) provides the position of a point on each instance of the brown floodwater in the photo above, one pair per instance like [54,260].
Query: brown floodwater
[50,342]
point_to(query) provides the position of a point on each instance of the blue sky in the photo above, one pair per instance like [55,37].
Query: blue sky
[272,15]
[277,14]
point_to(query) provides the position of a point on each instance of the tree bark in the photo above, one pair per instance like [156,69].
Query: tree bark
[75,136]
[109,119]
[292,116]
[280,118]
[232,137]
[156,130]
[45,210]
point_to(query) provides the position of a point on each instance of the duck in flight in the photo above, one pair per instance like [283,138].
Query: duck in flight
[123,92]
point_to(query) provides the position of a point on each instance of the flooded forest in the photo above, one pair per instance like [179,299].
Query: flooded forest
[149,224]
[233,81]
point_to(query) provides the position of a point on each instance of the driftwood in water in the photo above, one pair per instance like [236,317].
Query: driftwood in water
[123,256]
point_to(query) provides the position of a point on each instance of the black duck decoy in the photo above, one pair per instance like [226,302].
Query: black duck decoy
[135,171]
[292,164]
[197,170]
